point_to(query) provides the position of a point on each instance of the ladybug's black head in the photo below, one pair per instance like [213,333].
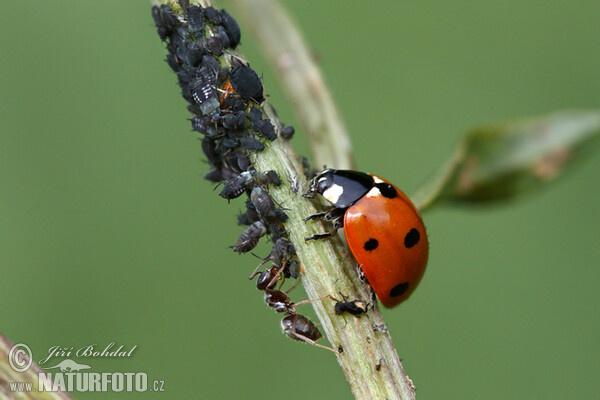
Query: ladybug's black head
[323,181]
[342,188]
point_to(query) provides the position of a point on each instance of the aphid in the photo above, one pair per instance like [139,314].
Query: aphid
[275,229]
[185,76]
[212,15]
[187,94]
[211,63]
[235,121]
[214,45]
[292,269]
[164,20]
[265,206]
[203,91]
[249,238]
[208,125]
[223,75]
[266,130]
[227,173]
[238,160]
[194,109]
[231,28]
[214,175]
[288,132]
[294,184]
[232,103]
[255,116]
[237,186]
[308,174]
[250,216]
[262,126]
[209,147]
[221,34]
[198,124]
[281,250]
[246,83]
[354,307]
[279,257]
[192,54]
[243,161]
[173,62]
[252,144]
[228,143]
[384,230]
[380,328]
[180,36]
[195,19]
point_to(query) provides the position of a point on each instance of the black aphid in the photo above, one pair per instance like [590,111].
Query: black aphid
[246,83]
[231,28]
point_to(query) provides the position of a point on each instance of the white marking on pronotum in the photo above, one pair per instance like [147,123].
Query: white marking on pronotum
[377,179]
[333,193]
[374,192]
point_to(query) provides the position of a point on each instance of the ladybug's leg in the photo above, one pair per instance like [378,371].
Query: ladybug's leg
[330,215]
[373,298]
[315,216]
[320,236]
[361,274]
[339,223]
[363,278]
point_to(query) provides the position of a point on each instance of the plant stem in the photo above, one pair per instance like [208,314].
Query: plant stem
[330,270]
[281,42]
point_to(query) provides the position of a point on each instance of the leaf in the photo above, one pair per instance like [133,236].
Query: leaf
[500,162]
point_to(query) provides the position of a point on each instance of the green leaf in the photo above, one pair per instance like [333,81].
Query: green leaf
[499,162]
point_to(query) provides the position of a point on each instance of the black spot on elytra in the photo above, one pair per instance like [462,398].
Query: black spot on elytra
[412,238]
[371,244]
[386,190]
[399,289]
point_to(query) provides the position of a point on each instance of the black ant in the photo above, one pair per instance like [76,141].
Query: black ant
[294,325]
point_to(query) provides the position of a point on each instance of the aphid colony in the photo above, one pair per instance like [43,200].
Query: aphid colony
[226,110]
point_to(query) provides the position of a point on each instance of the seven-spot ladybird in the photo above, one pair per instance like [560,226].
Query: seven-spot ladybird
[383,229]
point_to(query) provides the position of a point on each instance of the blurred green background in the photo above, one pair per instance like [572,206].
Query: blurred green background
[108,233]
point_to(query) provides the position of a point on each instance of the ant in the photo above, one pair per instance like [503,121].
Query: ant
[295,326]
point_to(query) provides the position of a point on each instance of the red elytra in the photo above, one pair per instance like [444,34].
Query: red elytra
[383,228]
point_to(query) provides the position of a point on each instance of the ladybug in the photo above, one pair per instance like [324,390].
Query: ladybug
[383,228]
